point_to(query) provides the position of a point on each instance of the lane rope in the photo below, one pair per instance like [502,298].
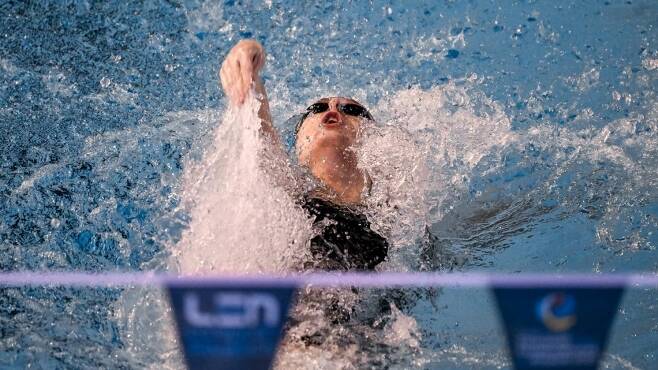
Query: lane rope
[328,279]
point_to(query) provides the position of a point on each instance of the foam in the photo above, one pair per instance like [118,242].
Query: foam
[241,220]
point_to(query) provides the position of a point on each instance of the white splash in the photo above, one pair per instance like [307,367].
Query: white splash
[422,155]
[241,219]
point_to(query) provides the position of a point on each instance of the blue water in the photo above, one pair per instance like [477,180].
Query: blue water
[102,105]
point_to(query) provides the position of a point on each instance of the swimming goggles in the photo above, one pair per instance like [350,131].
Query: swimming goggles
[351,109]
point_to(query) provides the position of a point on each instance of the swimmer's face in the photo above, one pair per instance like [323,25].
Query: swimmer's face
[330,123]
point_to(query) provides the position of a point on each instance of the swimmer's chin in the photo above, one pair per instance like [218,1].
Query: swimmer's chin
[333,134]
[332,139]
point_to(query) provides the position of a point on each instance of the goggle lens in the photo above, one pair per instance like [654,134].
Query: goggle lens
[350,109]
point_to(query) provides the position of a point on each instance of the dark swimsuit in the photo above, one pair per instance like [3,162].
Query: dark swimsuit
[346,241]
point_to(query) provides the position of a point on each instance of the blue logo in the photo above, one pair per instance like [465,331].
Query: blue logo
[557,311]
[229,326]
[233,310]
[557,327]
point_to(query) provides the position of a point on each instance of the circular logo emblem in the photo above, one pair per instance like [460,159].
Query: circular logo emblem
[557,311]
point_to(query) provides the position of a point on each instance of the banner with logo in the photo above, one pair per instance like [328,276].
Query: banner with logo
[557,327]
[229,326]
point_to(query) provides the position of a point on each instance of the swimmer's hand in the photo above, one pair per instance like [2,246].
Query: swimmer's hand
[241,68]
[239,71]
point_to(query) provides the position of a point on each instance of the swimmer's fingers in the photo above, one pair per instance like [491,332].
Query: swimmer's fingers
[247,74]
[227,77]
[250,60]
[232,82]
[235,81]
[253,54]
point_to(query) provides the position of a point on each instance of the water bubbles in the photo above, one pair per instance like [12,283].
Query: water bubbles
[519,31]
[585,81]
[402,329]
[105,82]
[57,83]
[650,64]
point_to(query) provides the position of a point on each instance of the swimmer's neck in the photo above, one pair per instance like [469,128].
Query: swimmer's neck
[338,171]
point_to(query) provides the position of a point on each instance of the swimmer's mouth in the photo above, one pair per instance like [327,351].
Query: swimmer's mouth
[332,124]
[331,120]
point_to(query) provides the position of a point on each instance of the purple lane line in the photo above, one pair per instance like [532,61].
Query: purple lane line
[78,279]
[643,280]
[234,280]
[328,279]
[395,279]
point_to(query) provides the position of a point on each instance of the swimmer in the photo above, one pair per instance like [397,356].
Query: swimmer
[326,135]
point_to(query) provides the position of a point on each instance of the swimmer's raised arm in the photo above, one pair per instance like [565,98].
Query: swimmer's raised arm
[240,69]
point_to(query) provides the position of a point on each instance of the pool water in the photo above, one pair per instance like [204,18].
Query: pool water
[532,127]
